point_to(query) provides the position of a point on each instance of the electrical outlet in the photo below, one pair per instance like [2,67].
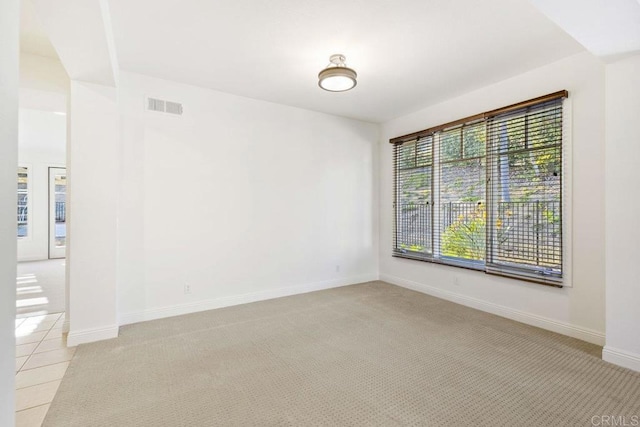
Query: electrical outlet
[187,289]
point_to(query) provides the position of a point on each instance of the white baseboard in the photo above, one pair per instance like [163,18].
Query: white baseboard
[193,307]
[621,358]
[90,335]
[563,328]
[33,258]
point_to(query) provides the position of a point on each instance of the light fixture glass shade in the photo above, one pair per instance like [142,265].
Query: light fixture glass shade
[337,77]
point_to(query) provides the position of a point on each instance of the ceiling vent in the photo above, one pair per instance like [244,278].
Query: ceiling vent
[162,106]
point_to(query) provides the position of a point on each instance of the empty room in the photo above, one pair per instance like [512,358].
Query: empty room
[241,212]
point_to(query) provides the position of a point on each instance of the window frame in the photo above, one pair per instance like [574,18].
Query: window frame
[29,205]
[565,197]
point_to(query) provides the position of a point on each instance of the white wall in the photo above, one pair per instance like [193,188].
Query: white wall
[9,19]
[42,144]
[240,199]
[577,311]
[92,183]
[622,206]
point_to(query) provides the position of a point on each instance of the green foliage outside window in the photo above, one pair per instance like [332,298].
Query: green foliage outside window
[466,237]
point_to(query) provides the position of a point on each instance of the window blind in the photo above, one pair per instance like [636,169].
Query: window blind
[525,192]
[485,192]
[413,206]
[461,215]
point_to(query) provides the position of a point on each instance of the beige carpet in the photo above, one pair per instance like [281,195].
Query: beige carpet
[369,354]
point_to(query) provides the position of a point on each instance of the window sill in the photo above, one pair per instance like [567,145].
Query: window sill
[480,267]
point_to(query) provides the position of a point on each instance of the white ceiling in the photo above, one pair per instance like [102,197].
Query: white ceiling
[408,53]
[609,29]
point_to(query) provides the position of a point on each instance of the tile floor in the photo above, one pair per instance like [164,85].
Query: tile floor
[40,287]
[42,358]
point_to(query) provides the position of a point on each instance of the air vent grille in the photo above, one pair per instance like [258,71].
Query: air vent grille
[162,106]
[173,108]
[155,105]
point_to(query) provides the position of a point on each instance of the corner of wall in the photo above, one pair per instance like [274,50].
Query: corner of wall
[621,358]
[77,337]
[9,50]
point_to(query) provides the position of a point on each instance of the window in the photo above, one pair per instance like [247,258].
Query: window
[485,192]
[23,202]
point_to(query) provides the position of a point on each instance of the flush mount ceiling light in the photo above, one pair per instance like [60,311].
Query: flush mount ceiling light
[337,77]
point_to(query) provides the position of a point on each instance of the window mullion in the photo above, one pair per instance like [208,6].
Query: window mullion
[492,159]
[437,209]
